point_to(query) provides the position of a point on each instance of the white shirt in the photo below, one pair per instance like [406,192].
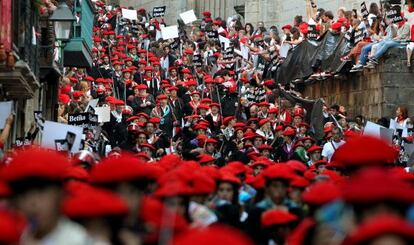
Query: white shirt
[66,232]
[330,147]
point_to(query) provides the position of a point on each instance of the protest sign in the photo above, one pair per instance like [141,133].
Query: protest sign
[394,14]
[54,133]
[158,11]
[378,131]
[358,36]
[188,16]
[169,32]
[130,14]
[5,111]
[197,60]
[213,35]
[84,120]
[364,10]
[103,113]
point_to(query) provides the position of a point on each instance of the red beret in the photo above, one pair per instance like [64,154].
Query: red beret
[90,202]
[151,147]
[191,83]
[200,126]
[287,27]
[289,132]
[217,22]
[264,121]
[235,168]
[162,97]
[297,166]
[89,78]
[148,68]
[314,148]
[113,170]
[378,226]
[216,234]
[206,14]
[188,51]
[264,104]
[12,226]
[276,172]
[374,185]
[336,26]
[364,151]
[205,158]
[202,183]
[76,173]
[143,114]
[77,94]
[64,98]
[155,120]
[227,120]
[277,217]
[141,87]
[229,177]
[307,138]
[186,70]
[212,141]
[203,106]
[268,83]
[265,147]
[321,193]
[36,163]
[299,182]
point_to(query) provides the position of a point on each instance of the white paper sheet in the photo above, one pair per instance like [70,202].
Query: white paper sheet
[372,129]
[58,131]
[169,32]
[245,51]
[188,16]
[130,14]
[104,114]
[5,110]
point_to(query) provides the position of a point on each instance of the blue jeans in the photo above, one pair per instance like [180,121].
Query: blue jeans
[383,47]
[364,53]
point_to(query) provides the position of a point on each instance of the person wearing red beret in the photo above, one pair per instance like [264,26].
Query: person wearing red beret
[35,177]
[314,154]
[164,111]
[277,225]
[227,198]
[214,118]
[286,150]
[333,144]
[265,130]
[276,179]
[142,101]
[100,211]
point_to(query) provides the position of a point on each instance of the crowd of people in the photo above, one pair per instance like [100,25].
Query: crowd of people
[204,146]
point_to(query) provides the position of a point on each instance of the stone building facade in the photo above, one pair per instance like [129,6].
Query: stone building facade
[272,12]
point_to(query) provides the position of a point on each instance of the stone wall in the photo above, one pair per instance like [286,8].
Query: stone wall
[375,93]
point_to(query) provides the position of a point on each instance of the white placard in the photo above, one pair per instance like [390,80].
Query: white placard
[169,32]
[5,111]
[53,131]
[372,129]
[224,40]
[130,14]
[188,16]
[104,114]
[245,51]
[393,124]
[284,50]
[378,131]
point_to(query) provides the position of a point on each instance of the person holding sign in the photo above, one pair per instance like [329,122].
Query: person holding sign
[403,35]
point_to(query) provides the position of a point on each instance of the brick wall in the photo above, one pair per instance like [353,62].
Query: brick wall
[376,93]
